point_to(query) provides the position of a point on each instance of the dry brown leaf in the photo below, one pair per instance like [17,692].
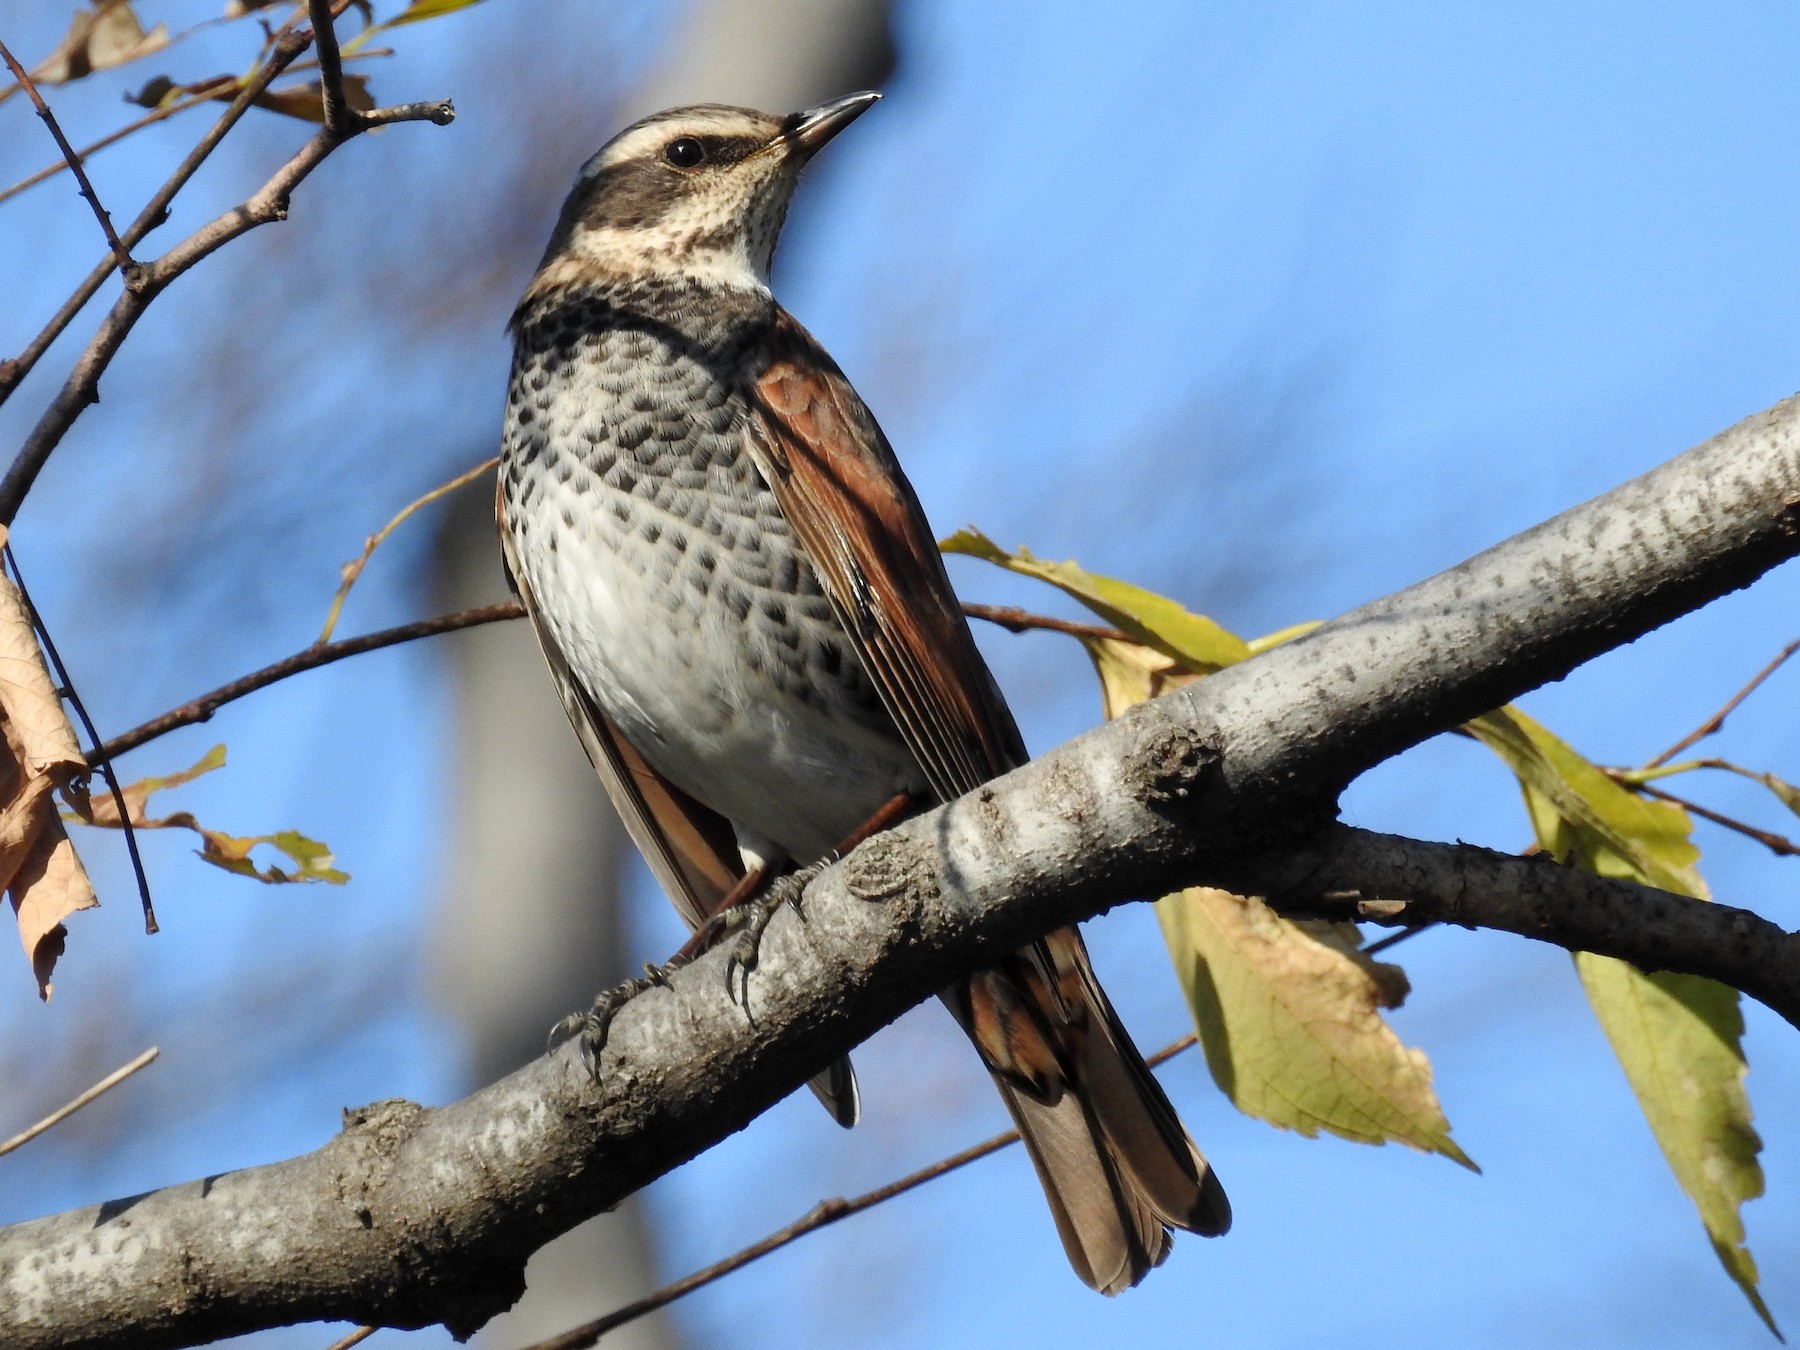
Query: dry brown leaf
[311,860]
[38,753]
[305,101]
[50,885]
[100,38]
[37,728]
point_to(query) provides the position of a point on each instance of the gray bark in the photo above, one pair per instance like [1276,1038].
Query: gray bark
[414,1216]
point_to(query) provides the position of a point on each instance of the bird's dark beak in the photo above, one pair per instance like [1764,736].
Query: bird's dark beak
[811,129]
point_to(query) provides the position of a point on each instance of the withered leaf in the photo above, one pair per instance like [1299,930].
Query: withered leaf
[100,38]
[310,859]
[38,752]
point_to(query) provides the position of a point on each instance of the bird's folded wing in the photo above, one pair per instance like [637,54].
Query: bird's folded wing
[841,489]
[1109,1148]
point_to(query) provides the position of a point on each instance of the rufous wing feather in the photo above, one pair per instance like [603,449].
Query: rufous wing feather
[1114,1160]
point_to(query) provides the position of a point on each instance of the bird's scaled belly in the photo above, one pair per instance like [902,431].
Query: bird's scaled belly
[710,696]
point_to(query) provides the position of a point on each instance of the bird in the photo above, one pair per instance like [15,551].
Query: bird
[753,633]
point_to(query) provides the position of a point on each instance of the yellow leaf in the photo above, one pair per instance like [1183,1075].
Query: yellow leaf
[420,10]
[1155,620]
[312,860]
[417,12]
[1289,1015]
[1130,673]
[1623,834]
[1678,1037]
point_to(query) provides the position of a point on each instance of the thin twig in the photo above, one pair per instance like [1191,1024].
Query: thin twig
[286,47]
[1394,939]
[356,1337]
[1775,843]
[201,709]
[213,90]
[353,570]
[61,1114]
[1714,723]
[266,205]
[50,171]
[1016,620]
[821,1215]
[87,725]
[120,253]
[339,116]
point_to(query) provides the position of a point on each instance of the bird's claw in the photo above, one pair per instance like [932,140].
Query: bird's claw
[753,917]
[591,1026]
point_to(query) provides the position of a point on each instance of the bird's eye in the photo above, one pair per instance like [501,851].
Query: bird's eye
[685,153]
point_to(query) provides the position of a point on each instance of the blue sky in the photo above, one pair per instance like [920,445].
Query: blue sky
[1274,308]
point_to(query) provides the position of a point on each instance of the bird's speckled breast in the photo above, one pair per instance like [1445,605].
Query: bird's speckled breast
[668,577]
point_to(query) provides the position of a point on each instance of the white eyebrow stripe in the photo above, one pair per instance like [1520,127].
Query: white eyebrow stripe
[639,142]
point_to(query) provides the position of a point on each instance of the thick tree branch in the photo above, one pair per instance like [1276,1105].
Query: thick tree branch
[1380,878]
[414,1216]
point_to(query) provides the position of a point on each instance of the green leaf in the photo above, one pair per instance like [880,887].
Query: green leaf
[1678,1037]
[1289,1015]
[1680,1041]
[1192,639]
[1619,833]
[312,858]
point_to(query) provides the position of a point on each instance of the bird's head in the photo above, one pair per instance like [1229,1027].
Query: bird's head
[698,191]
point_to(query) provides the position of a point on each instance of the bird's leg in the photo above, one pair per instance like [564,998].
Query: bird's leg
[591,1026]
[721,920]
[754,913]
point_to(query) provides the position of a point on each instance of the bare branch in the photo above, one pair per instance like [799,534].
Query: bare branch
[1717,721]
[286,46]
[1015,620]
[821,1215]
[56,1117]
[81,156]
[340,118]
[120,253]
[202,708]
[416,1216]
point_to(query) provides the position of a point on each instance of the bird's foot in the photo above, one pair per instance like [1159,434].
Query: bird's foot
[752,917]
[591,1026]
